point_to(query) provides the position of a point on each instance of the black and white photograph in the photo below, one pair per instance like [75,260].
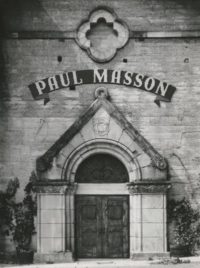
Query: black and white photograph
[99,133]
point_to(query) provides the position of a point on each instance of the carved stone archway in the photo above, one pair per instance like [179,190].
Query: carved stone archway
[101,129]
[114,148]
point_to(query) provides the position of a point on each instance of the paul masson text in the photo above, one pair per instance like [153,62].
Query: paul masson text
[42,87]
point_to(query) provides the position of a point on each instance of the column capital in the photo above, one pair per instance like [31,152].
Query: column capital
[55,187]
[148,186]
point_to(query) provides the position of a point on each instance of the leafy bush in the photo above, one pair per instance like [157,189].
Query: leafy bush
[7,204]
[186,222]
[24,213]
[18,218]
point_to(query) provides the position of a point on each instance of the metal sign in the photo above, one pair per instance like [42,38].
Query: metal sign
[42,88]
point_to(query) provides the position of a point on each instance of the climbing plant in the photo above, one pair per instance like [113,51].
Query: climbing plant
[17,218]
[7,204]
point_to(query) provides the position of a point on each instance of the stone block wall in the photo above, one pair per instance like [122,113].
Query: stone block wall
[140,15]
[51,223]
[147,214]
[28,128]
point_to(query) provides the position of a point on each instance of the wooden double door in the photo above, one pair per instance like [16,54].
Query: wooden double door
[102,226]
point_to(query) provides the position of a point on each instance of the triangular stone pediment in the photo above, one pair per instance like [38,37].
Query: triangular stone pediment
[102,120]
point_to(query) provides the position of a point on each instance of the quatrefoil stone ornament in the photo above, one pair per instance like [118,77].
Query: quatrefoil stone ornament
[110,19]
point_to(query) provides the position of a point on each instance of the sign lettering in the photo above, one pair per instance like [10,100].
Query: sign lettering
[42,88]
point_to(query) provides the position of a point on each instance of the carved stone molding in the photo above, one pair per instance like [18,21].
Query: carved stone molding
[148,186]
[71,190]
[56,187]
[101,93]
[159,161]
[119,28]
[101,123]
[101,126]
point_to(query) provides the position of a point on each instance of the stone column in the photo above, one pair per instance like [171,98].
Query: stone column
[148,218]
[70,217]
[51,223]
[136,223]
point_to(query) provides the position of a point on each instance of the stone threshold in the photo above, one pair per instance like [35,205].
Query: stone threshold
[99,263]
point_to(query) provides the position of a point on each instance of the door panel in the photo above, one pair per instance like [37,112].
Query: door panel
[88,225]
[116,224]
[102,226]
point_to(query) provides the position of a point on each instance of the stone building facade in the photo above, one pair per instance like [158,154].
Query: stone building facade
[101,100]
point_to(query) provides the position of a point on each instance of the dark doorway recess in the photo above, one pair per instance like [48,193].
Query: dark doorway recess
[101,168]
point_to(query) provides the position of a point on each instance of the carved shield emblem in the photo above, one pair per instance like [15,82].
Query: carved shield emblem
[101,125]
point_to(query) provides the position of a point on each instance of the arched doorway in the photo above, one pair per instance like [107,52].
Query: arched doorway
[66,195]
[101,220]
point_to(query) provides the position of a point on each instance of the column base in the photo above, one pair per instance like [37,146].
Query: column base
[149,255]
[57,257]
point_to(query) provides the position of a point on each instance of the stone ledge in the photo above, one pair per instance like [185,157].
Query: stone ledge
[58,257]
[56,186]
[149,255]
[148,186]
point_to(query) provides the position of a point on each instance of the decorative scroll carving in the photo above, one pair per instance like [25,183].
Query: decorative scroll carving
[158,161]
[148,186]
[58,187]
[103,52]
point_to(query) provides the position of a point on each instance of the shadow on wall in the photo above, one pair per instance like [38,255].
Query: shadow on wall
[189,4]
[182,185]
[3,81]
[15,15]
[20,15]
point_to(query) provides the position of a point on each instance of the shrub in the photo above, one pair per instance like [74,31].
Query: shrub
[24,212]
[186,222]
[17,219]
[7,204]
